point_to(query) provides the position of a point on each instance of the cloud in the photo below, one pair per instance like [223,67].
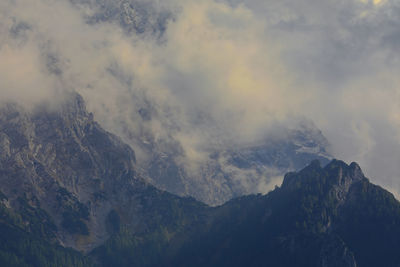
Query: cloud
[19,75]
[209,74]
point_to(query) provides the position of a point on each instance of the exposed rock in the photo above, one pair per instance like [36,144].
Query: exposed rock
[63,162]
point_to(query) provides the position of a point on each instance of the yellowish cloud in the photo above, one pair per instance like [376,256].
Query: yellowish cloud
[375,2]
[21,77]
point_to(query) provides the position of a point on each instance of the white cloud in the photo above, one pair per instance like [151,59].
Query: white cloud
[220,72]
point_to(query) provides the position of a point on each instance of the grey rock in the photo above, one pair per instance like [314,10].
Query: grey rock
[4,146]
[134,16]
[64,163]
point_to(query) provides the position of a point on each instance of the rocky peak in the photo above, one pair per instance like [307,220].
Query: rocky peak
[75,107]
[338,173]
[344,172]
[292,179]
[63,163]
[343,177]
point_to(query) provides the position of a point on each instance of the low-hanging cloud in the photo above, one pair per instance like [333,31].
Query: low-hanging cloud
[216,73]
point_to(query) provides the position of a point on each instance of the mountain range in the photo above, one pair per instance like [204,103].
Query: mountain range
[72,195]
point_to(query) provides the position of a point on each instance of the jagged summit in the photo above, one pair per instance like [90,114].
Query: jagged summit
[340,174]
[74,106]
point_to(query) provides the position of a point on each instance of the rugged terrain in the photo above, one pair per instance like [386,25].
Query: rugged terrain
[63,165]
[331,216]
[71,195]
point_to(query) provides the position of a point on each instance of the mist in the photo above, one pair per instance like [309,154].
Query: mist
[209,74]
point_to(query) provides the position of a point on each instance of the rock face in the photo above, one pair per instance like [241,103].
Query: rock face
[64,164]
[134,16]
[65,181]
[341,177]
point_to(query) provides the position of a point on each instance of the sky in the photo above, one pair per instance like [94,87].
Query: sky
[216,72]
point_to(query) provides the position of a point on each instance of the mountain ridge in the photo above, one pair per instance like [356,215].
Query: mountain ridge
[66,182]
[305,222]
[64,163]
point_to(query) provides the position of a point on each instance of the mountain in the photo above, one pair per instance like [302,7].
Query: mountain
[64,178]
[331,216]
[71,194]
[233,171]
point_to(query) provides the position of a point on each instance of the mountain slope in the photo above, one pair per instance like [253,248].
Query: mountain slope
[62,172]
[19,247]
[65,182]
[319,217]
[331,216]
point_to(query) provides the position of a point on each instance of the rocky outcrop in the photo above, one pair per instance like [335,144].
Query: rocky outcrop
[341,177]
[63,163]
[134,16]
